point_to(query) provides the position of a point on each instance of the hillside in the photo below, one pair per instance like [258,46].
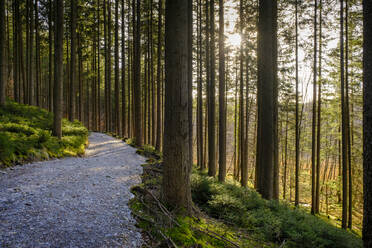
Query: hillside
[25,135]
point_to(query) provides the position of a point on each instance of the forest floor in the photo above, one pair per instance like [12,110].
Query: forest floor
[72,202]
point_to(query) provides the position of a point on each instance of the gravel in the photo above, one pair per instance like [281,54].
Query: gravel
[72,202]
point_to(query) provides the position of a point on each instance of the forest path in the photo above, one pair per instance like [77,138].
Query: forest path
[72,202]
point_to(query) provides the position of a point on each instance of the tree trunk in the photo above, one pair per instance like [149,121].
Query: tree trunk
[58,70]
[37,56]
[50,60]
[123,85]
[177,163]
[317,188]
[16,60]
[285,155]
[222,105]
[313,131]
[343,123]
[117,90]
[74,8]
[297,138]
[211,98]
[266,56]
[367,123]
[3,80]
[158,76]
[138,133]
[348,139]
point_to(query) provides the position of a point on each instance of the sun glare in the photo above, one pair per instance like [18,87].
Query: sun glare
[234,39]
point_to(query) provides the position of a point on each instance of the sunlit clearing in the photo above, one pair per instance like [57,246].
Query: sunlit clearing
[234,39]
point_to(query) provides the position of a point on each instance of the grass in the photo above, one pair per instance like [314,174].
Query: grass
[25,135]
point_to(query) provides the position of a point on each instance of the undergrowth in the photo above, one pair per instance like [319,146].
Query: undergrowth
[227,215]
[271,221]
[26,135]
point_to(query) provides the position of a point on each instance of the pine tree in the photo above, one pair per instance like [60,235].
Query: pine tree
[177,162]
[367,123]
[58,70]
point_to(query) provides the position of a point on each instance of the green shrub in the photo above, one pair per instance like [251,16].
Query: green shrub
[271,221]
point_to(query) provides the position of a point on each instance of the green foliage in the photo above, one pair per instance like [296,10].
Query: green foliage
[25,135]
[267,220]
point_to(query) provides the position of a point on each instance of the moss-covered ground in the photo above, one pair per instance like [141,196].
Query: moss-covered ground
[25,135]
[227,215]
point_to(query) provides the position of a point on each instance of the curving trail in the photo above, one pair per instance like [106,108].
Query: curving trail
[72,202]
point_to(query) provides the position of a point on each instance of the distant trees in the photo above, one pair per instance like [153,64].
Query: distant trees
[367,123]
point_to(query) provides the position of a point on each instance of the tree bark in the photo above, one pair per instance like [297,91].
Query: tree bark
[343,123]
[158,77]
[117,90]
[177,163]
[3,70]
[317,188]
[58,70]
[266,56]
[72,114]
[297,136]
[211,98]
[313,131]
[123,85]
[138,132]
[367,123]
[222,105]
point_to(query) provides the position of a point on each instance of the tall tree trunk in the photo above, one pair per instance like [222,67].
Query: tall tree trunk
[138,133]
[98,67]
[317,189]
[285,155]
[50,54]
[348,138]
[158,77]
[211,98]
[343,122]
[123,85]
[199,112]
[117,90]
[208,74]
[367,123]
[177,162]
[72,107]
[110,113]
[31,80]
[107,116]
[3,79]
[58,70]
[189,75]
[241,148]
[16,67]
[266,56]
[222,105]
[297,136]
[313,131]
[37,56]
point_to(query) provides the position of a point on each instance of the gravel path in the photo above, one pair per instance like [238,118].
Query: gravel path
[72,202]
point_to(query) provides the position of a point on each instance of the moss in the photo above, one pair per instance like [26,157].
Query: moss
[270,221]
[25,135]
